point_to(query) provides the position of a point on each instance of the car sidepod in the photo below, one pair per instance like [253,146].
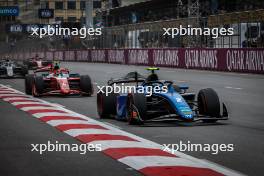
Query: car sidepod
[178,103]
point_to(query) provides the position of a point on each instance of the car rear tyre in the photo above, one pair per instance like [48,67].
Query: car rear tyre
[136,109]
[28,84]
[209,104]
[38,86]
[24,70]
[106,105]
[86,85]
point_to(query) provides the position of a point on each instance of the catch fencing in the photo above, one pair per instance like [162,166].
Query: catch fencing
[248,27]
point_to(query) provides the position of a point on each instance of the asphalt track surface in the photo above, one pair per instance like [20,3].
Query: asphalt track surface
[242,93]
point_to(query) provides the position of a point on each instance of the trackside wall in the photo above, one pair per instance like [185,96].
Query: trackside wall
[228,60]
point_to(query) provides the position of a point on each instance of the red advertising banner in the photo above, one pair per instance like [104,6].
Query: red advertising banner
[228,60]
[98,55]
[69,56]
[116,56]
[49,55]
[58,55]
[139,56]
[82,55]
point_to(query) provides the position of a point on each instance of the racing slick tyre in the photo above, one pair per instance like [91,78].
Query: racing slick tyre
[24,70]
[106,105]
[28,64]
[209,104]
[38,86]
[86,85]
[136,109]
[28,84]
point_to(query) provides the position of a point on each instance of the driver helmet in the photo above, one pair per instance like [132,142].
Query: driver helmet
[36,56]
[56,66]
[153,76]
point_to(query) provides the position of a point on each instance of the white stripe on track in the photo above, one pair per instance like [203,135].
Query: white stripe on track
[140,162]
[7,92]
[43,114]
[17,98]
[65,122]
[24,103]
[123,144]
[77,132]
[14,95]
[39,108]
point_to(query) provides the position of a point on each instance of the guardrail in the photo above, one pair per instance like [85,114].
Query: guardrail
[228,60]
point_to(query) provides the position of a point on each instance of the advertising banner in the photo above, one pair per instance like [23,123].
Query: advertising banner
[58,55]
[245,60]
[9,11]
[82,55]
[98,56]
[69,55]
[116,56]
[46,13]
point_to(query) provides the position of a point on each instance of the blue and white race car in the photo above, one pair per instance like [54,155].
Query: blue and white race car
[11,69]
[176,104]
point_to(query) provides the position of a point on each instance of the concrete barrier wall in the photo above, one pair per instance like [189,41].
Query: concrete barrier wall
[228,60]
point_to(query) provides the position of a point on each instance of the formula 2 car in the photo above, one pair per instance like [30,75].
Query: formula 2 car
[176,104]
[37,63]
[11,69]
[57,81]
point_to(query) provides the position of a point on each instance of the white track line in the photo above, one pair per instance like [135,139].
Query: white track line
[236,88]
[65,122]
[140,162]
[24,103]
[43,114]
[123,144]
[40,108]
[77,132]
[17,98]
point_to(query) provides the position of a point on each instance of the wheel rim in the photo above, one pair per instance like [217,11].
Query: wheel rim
[34,90]
[132,114]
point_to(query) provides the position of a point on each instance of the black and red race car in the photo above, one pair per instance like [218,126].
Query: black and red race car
[37,63]
[57,81]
